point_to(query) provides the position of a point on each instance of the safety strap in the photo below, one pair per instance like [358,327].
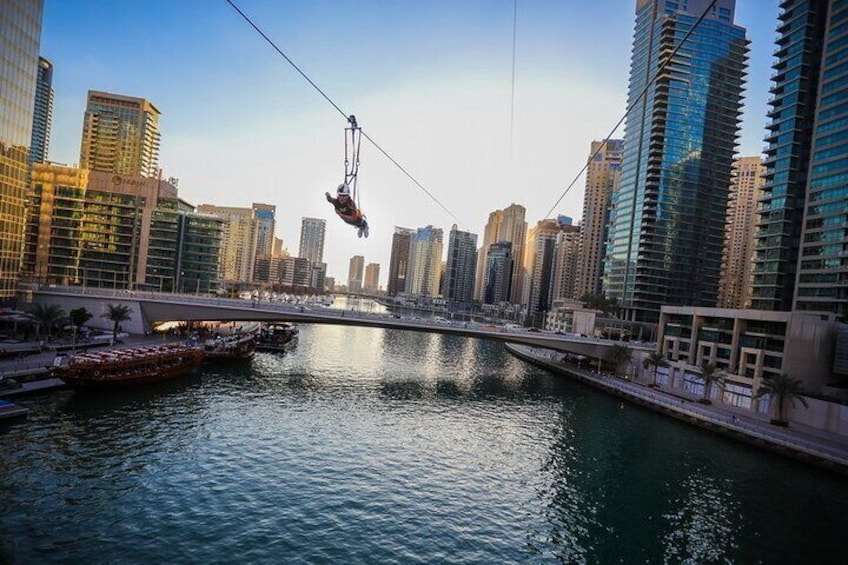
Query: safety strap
[353,138]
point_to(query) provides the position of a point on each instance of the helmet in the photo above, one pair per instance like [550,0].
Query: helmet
[343,189]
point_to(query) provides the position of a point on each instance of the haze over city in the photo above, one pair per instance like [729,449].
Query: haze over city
[431,82]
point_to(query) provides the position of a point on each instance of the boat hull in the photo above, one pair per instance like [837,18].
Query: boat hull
[113,377]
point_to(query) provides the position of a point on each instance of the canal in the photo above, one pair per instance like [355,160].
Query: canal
[381,446]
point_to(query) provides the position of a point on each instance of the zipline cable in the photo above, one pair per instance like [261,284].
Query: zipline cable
[633,105]
[512,99]
[338,109]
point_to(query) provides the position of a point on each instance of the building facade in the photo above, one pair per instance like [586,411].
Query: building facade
[540,262]
[602,175]
[42,116]
[667,220]
[355,274]
[739,232]
[372,278]
[120,134]
[747,346]
[460,266]
[491,232]
[425,262]
[103,230]
[238,243]
[312,232]
[799,55]
[265,225]
[399,261]
[499,268]
[19,48]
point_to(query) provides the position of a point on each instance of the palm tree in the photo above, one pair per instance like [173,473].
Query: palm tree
[117,313]
[618,354]
[652,361]
[711,375]
[79,316]
[782,388]
[46,316]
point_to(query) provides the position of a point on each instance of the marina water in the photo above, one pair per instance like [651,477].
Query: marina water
[381,446]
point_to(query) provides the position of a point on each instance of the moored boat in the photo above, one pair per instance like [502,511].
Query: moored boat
[131,366]
[236,347]
[278,337]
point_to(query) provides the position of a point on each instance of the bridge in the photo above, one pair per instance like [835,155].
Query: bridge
[149,308]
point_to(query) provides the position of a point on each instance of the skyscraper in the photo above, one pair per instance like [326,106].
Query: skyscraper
[540,262]
[264,215]
[602,178]
[499,266]
[799,261]
[312,239]
[667,222]
[42,113]
[399,261]
[739,232]
[514,230]
[20,21]
[120,134]
[425,262]
[490,235]
[355,274]
[238,243]
[372,278]
[460,265]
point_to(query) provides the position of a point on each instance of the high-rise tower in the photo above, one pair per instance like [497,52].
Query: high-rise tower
[264,215]
[667,222]
[739,232]
[42,112]
[425,262]
[460,265]
[120,134]
[602,177]
[312,240]
[355,274]
[399,261]
[20,21]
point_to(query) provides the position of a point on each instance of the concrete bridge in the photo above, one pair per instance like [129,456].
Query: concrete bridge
[148,308]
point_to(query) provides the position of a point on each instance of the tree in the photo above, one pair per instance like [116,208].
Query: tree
[117,313]
[79,316]
[46,316]
[652,361]
[618,354]
[782,388]
[711,375]
[599,302]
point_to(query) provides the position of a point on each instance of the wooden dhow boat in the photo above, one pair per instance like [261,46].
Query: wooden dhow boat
[130,366]
[236,347]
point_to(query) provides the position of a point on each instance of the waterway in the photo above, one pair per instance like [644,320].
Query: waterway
[381,446]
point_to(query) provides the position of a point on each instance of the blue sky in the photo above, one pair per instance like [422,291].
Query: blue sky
[429,81]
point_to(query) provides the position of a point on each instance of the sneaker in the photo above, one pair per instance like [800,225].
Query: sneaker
[359,233]
[365,231]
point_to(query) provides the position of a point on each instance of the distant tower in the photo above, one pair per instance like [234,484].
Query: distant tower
[354,274]
[425,262]
[499,267]
[312,240]
[601,181]
[491,233]
[237,254]
[399,261]
[42,116]
[667,222]
[739,232]
[460,265]
[120,134]
[540,263]
[372,278]
[264,215]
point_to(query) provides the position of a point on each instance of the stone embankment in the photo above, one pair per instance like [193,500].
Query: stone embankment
[800,442]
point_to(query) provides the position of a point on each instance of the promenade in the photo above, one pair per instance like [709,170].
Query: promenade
[801,442]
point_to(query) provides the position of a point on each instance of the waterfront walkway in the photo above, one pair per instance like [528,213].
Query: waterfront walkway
[798,441]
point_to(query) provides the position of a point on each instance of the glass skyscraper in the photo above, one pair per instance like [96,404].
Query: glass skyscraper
[42,112]
[667,221]
[802,242]
[460,265]
[20,36]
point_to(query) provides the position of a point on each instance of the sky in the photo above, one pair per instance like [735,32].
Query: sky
[430,82]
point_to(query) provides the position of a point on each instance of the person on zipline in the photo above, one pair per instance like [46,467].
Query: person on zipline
[347,210]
